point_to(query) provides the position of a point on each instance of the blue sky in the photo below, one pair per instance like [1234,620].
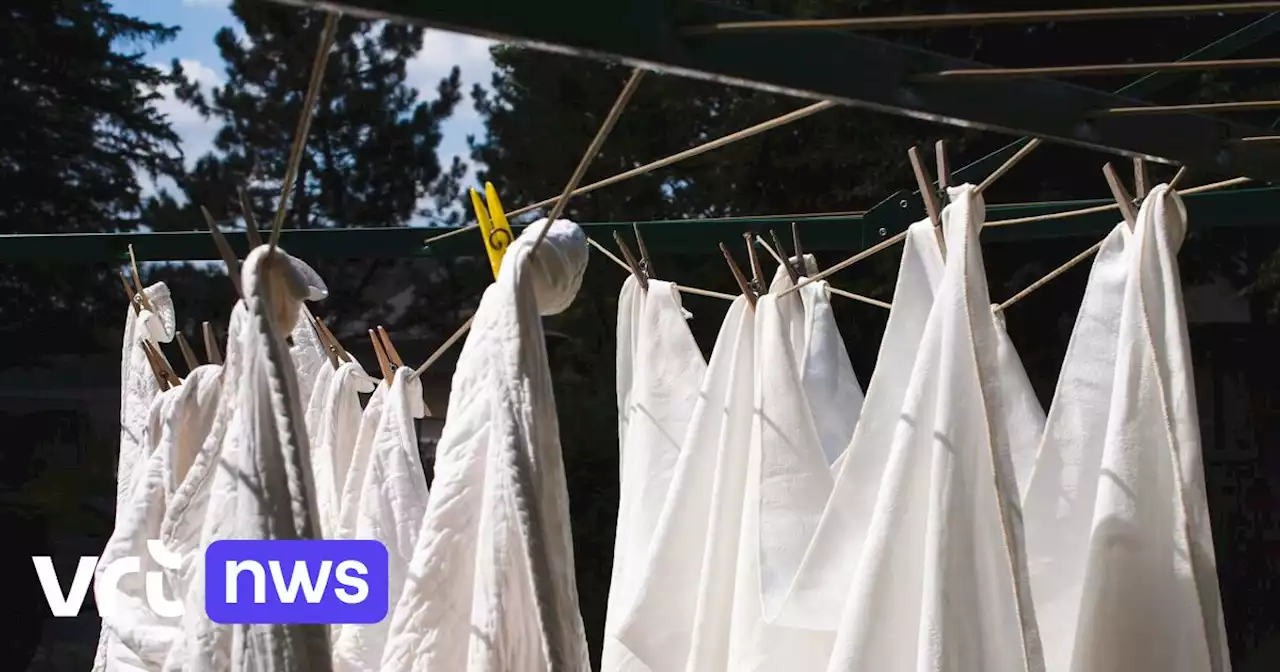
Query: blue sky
[200,20]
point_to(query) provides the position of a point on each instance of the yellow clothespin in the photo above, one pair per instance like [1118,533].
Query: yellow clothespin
[493,225]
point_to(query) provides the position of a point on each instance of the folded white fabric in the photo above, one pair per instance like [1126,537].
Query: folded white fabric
[832,389]
[334,440]
[491,586]
[1122,549]
[262,482]
[134,608]
[664,369]
[940,584]
[138,390]
[1019,410]
[680,619]
[817,594]
[308,355]
[389,507]
[788,484]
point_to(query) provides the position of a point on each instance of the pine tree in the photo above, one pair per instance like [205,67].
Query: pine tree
[77,126]
[370,158]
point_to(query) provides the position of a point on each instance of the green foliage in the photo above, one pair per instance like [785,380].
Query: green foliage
[78,124]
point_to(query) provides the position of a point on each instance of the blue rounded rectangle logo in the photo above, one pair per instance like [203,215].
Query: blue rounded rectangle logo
[333,581]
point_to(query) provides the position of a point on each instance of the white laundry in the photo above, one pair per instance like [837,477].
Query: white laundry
[832,389]
[333,440]
[138,389]
[318,397]
[787,486]
[201,502]
[491,586]
[1019,410]
[359,452]
[835,396]
[143,635]
[940,584]
[1059,498]
[817,595]
[309,356]
[392,501]
[262,482]
[1140,589]
[680,618]
[661,361]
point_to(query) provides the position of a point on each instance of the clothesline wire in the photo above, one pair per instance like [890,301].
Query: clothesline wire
[318,66]
[838,292]
[588,156]
[682,288]
[1076,260]
[592,150]
[899,237]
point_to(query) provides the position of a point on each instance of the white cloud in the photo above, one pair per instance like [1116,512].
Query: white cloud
[441,51]
[195,131]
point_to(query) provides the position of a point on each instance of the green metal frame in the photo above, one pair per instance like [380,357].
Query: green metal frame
[843,66]
[1239,208]
[641,32]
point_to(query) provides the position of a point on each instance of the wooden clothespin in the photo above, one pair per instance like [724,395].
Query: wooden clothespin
[250,223]
[930,197]
[631,261]
[646,262]
[383,364]
[161,364]
[330,350]
[1121,195]
[161,380]
[224,250]
[795,243]
[188,355]
[782,254]
[137,281]
[757,273]
[211,344]
[494,229]
[1141,180]
[743,284]
[129,294]
[392,355]
[944,167]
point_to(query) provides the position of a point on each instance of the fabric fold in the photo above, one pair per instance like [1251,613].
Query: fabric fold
[664,369]
[334,442]
[680,618]
[491,586]
[389,507]
[1141,592]
[941,583]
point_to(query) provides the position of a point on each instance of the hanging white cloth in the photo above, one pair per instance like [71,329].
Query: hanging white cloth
[138,390]
[1020,410]
[816,595]
[391,502]
[143,626]
[941,584]
[835,395]
[360,452]
[201,503]
[832,389]
[1121,465]
[680,618]
[1060,496]
[787,487]
[664,369]
[262,487]
[309,356]
[334,440]
[491,586]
